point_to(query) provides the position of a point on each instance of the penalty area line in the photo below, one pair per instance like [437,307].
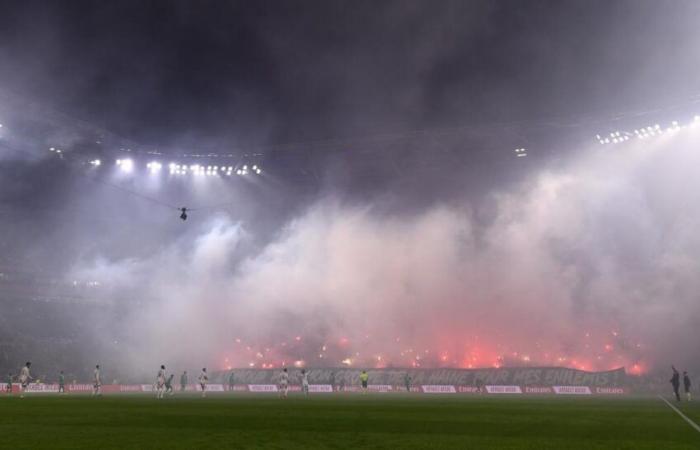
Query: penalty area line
[692,424]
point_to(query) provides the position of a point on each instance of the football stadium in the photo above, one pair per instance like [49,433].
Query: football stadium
[399,224]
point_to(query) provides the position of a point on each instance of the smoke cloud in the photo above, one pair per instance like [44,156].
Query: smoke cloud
[592,264]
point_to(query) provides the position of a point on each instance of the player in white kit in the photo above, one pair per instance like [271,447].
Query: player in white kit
[97,382]
[304,382]
[160,382]
[284,383]
[203,380]
[24,378]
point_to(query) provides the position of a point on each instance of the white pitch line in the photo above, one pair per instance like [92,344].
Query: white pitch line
[692,424]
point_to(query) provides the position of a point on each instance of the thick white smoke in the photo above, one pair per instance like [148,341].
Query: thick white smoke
[591,265]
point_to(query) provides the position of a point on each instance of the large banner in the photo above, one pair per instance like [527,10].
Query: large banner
[541,377]
[530,380]
[327,388]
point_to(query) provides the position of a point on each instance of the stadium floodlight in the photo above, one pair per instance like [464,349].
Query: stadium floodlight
[126,165]
[95,162]
[520,152]
[239,172]
[154,167]
[258,171]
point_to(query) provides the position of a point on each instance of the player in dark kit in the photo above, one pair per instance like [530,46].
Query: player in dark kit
[8,386]
[231,381]
[183,381]
[169,384]
[686,385]
[61,383]
[676,383]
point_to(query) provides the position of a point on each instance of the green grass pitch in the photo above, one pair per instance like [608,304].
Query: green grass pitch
[391,421]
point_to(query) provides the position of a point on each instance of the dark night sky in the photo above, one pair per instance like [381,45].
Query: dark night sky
[217,74]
